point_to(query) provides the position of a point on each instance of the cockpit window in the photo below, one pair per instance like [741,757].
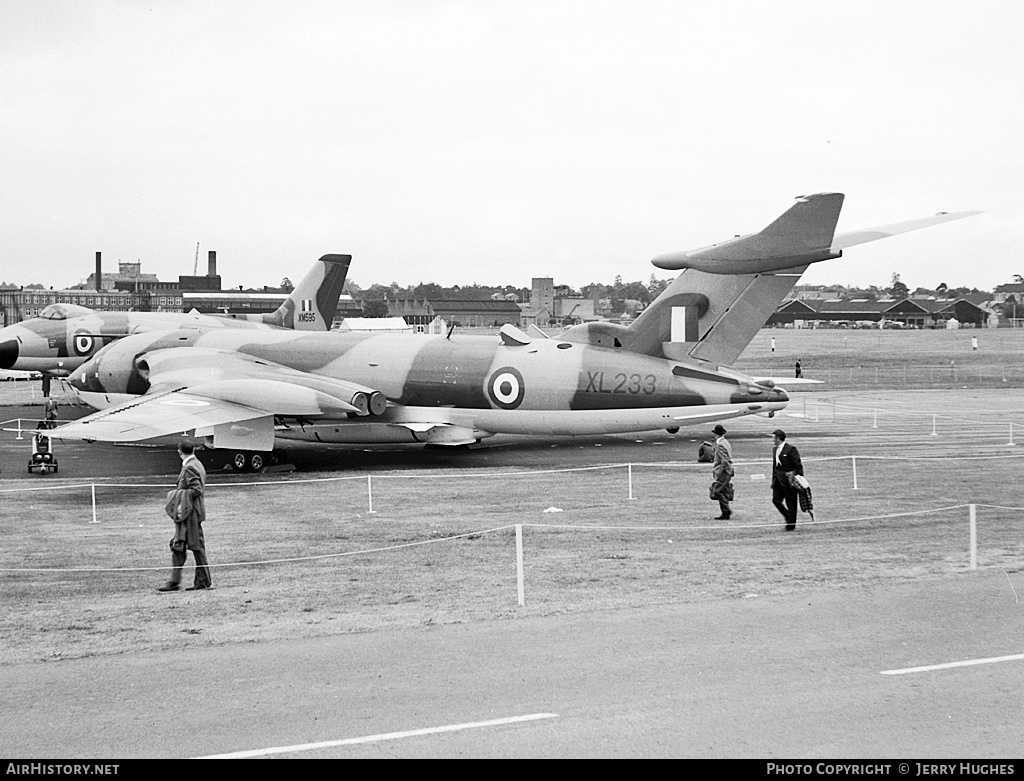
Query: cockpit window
[63,311]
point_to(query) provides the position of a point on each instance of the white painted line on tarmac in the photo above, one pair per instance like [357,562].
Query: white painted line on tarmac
[265,752]
[968,663]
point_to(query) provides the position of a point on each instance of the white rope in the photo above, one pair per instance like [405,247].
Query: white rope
[292,559]
[732,526]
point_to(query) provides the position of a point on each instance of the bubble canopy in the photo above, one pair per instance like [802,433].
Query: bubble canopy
[63,311]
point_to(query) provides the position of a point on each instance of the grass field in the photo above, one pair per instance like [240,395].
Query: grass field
[875,358]
[297,558]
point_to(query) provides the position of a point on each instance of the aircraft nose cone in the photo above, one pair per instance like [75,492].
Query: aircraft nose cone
[86,378]
[78,380]
[8,354]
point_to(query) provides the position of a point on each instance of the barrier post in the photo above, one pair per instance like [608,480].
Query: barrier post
[94,503]
[630,468]
[1011,435]
[19,430]
[854,458]
[875,424]
[369,494]
[973,513]
[519,565]
[934,432]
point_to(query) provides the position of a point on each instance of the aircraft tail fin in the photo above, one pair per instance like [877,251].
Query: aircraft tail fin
[710,317]
[725,293]
[313,302]
[802,234]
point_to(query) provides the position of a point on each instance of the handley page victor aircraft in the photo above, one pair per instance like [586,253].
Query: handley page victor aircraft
[64,336]
[669,368]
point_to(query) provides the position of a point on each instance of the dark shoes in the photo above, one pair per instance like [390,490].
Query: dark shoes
[723,517]
[177,587]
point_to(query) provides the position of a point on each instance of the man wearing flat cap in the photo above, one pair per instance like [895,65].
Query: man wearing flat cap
[785,464]
[722,472]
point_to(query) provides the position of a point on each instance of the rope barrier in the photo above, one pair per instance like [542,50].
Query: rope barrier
[564,527]
[866,409]
[520,473]
[730,527]
[293,559]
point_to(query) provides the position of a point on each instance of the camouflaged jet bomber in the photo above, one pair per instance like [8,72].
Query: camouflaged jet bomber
[670,367]
[64,336]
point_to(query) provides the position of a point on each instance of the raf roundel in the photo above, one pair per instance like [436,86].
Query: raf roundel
[506,388]
[83,344]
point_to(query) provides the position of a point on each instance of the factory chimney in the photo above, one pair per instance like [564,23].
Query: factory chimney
[99,274]
[212,266]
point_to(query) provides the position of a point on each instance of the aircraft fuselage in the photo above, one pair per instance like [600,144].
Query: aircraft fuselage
[469,372]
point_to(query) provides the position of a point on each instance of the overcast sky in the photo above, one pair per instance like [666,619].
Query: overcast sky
[491,142]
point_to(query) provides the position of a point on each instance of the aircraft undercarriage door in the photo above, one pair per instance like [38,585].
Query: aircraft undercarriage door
[250,435]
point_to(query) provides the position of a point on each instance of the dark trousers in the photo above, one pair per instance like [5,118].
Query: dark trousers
[722,487]
[202,579]
[787,502]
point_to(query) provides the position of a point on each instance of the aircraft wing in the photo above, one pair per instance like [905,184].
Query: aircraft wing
[169,413]
[227,395]
[852,238]
[802,235]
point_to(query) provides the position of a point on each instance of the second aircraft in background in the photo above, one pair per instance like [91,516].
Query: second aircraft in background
[64,336]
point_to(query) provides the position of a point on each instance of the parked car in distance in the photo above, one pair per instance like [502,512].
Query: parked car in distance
[17,374]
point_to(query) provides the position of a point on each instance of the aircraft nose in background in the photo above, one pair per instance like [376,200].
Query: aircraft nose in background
[8,353]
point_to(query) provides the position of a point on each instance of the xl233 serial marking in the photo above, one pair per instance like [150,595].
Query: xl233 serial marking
[623,383]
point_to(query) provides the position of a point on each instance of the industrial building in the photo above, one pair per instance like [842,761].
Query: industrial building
[130,290]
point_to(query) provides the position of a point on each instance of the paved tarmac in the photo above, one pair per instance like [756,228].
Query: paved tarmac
[796,676]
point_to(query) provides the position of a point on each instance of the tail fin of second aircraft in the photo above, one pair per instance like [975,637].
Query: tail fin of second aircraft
[313,302]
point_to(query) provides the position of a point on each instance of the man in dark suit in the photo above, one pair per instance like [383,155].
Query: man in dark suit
[785,463]
[188,534]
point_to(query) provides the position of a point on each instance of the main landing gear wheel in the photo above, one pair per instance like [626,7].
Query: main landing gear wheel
[248,462]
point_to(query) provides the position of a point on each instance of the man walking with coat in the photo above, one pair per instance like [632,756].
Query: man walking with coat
[785,464]
[722,472]
[188,508]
